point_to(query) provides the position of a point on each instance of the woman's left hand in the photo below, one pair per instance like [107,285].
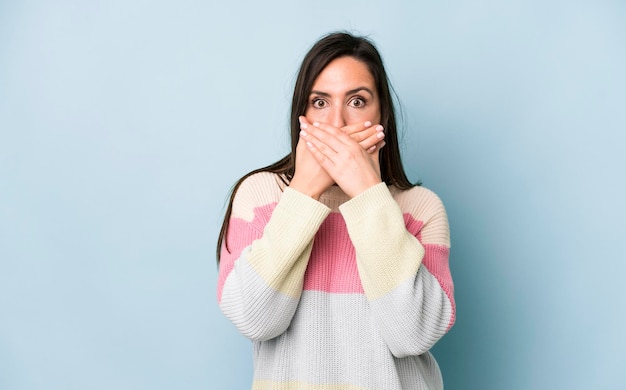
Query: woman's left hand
[350,166]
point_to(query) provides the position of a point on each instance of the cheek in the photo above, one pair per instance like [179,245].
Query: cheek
[312,115]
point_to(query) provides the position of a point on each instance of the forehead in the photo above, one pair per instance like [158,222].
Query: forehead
[344,74]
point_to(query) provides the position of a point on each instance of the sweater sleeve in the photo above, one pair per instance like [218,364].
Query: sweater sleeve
[406,281]
[262,267]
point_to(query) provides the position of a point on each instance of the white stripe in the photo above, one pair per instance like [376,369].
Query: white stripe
[257,310]
[333,339]
[415,315]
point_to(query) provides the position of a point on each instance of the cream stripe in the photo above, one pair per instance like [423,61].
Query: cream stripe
[387,254]
[256,191]
[280,257]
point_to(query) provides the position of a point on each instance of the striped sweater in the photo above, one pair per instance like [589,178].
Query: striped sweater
[338,293]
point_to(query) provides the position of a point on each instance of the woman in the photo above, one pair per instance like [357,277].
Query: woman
[330,260]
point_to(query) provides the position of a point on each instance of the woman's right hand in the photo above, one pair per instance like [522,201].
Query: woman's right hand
[309,177]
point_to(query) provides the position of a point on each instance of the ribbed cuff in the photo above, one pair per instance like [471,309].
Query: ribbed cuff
[297,204]
[375,198]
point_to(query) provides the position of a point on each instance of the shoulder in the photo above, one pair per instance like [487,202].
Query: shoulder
[259,190]
[263,184]
[417,200]
[426,208]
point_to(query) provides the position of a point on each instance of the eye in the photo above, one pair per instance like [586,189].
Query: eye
[318,103]
[357,102]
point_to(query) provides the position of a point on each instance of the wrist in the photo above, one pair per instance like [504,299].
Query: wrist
[354,192]
[307,190]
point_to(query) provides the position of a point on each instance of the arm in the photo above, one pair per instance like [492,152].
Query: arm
[407,282]
[261,273]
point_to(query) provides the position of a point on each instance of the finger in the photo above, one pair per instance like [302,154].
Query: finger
[376,147]
[356,127]
[320,154]
[359,127]
[372,140]
[304,123]
[362,135]
[320,145]
[328,135]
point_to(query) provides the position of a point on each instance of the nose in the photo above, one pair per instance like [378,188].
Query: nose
[337,118]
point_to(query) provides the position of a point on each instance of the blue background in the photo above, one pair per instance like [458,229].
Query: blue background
[123,125]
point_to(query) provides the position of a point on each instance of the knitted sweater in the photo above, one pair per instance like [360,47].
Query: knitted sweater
[338,293]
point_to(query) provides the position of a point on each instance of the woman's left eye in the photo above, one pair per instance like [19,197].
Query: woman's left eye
[357,102]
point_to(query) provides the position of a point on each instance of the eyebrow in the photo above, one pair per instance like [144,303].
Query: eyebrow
[350,92]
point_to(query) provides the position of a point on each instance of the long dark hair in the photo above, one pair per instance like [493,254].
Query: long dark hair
[326,50]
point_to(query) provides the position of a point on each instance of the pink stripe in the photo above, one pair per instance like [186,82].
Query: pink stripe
[332,265]
[241,234]
[413,225]
[436,261]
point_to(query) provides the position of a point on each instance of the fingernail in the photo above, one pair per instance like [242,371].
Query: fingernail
[367,124]
[316,124]
[310,145]
[380,135]
[303,126]
[370,150]
[303,133]
[380,128]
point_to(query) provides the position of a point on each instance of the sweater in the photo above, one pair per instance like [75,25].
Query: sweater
[338,293]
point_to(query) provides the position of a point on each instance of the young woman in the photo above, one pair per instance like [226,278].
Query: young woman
[330,260]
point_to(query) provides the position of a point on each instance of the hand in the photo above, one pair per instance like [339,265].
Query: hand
[309,177]
[342,157]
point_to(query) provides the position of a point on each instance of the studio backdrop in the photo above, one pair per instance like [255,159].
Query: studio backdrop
[123,125]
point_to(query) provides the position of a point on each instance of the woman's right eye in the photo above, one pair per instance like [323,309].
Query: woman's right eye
[318,103]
